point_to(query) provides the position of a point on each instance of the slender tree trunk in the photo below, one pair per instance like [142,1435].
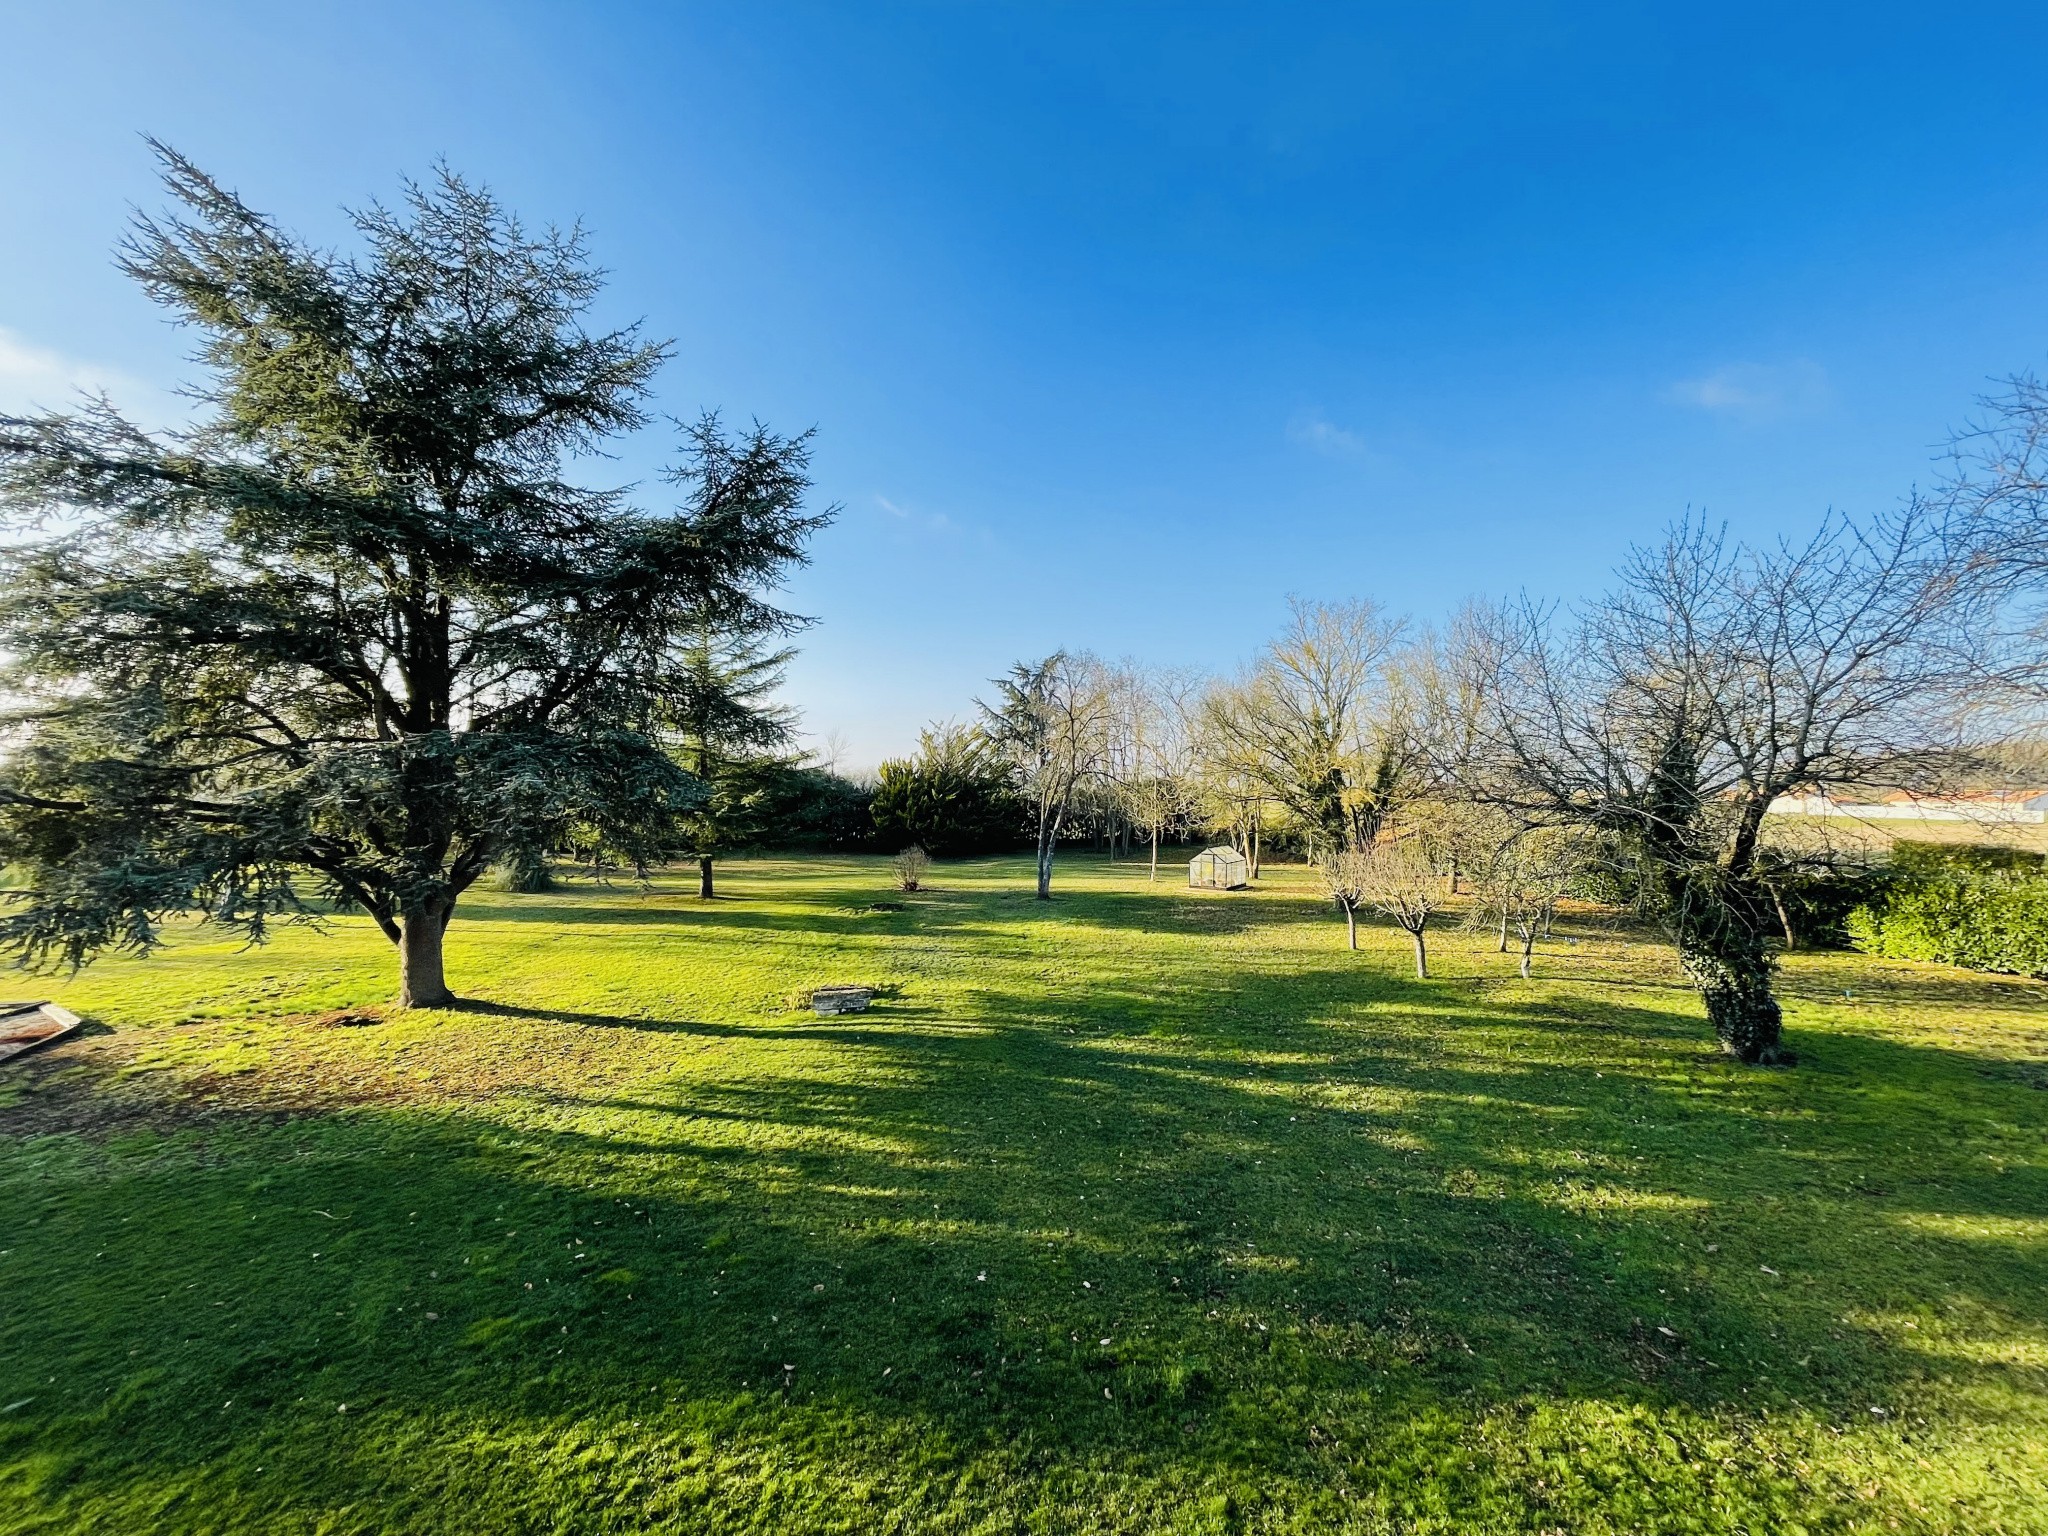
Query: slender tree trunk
[1255,847]
[1048,839]
[1455,872]
[1351,923]
[704,883]
[1421,955]
[1528,944]
[421,982]
[1155,850]
[1784,918]
[1503,928]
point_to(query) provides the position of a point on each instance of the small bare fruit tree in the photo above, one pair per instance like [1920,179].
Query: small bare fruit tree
[1522,883]
[911,864]
[1401,880]
[1344,876]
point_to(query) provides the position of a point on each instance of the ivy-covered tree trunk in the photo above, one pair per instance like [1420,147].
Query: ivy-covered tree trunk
[1732,969]
[1710,906]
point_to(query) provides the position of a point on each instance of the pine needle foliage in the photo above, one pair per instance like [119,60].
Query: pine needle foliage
[358,631]
[727,730]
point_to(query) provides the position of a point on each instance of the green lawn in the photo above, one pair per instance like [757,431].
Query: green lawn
[1147,1210]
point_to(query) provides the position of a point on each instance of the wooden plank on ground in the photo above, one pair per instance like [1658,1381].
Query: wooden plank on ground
[27,1026]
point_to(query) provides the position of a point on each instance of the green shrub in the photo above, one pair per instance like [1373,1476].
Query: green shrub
[1933,861]
[818,808]
[955,798]
[1817,903]
[1985,919]
[524,870]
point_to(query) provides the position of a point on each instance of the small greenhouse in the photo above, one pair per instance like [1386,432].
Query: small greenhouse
[1219,869]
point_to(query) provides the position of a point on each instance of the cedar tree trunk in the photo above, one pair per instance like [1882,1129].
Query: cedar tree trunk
[421,982]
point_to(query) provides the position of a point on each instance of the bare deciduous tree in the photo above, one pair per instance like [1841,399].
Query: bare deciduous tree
[1153,751]
[1401,879]
[1996,499]
[1522,882]
[1344,877]
[1226,780]
[1713,680]
[1449,679]
[1314,722]
[1052,719]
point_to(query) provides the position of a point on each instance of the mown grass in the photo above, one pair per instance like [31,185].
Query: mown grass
[1148,1211]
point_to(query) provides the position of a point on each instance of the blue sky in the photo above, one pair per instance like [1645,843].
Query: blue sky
[1121,324]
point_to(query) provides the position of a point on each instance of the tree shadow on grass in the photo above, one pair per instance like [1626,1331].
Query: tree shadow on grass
[1081,1255]
[901,1018]
[853,908]
[1262,1237]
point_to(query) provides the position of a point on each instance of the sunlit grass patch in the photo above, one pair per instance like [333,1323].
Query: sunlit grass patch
[1137,1212]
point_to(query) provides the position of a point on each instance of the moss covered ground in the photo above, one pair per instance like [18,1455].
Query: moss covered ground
[1142,1211]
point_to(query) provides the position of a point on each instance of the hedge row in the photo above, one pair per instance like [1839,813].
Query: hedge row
[1980,913]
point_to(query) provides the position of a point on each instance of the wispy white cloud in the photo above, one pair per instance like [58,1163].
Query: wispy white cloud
[928,522]
[36,378]
[1756,392]
[1312,429]
[936,527]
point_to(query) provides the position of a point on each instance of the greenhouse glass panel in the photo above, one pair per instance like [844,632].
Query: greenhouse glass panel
[1218,869]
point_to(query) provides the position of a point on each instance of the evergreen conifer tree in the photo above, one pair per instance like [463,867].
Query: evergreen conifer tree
[358,629]
[733,740]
